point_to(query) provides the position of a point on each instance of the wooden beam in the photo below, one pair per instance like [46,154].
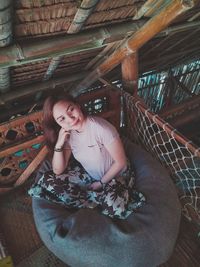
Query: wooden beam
[130,73]
[83,12]
[38,87]
[144,34]
[21,53]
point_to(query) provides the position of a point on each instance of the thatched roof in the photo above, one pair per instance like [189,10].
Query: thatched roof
[54,44]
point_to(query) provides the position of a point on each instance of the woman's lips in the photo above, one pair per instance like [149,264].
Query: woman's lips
[74,124]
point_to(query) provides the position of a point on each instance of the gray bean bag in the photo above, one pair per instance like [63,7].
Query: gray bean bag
[86,238]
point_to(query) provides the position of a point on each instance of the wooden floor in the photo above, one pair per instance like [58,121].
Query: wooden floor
[187,250]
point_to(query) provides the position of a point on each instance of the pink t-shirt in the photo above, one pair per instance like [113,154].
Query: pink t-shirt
[88,147]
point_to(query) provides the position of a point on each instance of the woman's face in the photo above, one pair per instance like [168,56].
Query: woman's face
[68,115]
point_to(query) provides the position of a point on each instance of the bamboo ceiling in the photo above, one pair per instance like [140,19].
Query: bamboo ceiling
[54,44]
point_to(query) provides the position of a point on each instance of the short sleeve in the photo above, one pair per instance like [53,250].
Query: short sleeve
[106,132]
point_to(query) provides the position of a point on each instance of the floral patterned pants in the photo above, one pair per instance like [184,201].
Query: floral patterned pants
[118,198]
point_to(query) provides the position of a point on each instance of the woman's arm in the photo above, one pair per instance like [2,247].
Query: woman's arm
[60,160]
[61,155]
[116,151]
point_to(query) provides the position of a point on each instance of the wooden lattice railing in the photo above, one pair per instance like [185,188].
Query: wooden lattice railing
[22,146]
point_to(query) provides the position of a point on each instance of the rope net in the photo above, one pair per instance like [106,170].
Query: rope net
[174,151]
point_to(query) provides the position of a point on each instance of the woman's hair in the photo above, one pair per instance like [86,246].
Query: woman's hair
[50,126]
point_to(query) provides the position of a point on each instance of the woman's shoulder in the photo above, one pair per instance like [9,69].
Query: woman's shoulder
[100,123]
[97,119]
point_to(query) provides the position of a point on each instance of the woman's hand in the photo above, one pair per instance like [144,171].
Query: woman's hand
[62,137]
[95,186]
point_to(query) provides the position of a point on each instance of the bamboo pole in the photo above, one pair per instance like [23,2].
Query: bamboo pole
[82,14]
[129,68]
[21,53]
[144,34]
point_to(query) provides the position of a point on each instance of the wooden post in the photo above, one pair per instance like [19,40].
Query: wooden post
[138,39]
[130,73]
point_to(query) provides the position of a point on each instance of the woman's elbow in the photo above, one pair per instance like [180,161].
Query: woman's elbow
[122,164]
[57,172]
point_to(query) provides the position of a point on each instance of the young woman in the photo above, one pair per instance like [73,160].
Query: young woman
[103,177]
